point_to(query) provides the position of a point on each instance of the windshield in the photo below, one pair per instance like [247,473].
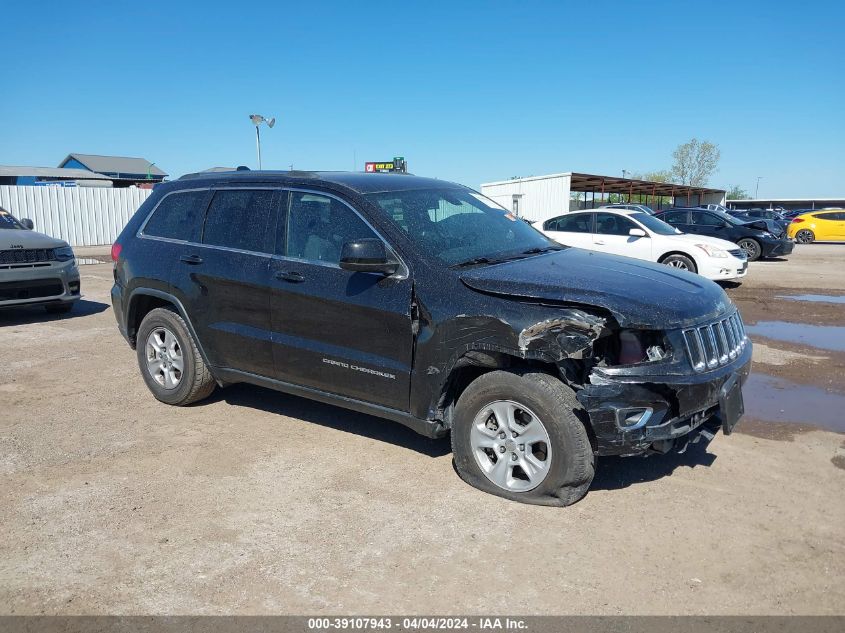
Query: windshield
[655,225]
[8,221]
[461,227]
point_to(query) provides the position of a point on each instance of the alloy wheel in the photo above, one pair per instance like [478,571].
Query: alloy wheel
[511,446]
[164,358]
[677,263]
[804,236]
[752,250]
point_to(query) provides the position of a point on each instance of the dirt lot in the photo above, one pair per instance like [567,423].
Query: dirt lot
[257,502]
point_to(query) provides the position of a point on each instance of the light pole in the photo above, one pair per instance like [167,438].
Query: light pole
[257,120]
[624,173]
[757,189]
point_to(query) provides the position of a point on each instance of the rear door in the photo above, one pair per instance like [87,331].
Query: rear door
[612,235]
[346,333]
[572,229]
[224,279]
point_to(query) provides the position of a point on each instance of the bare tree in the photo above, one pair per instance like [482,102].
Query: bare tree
[695,162]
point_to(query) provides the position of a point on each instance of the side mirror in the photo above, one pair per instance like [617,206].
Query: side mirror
[366,256]
[637,233]
[27,223]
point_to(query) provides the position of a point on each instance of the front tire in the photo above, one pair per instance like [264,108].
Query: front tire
[681,262]
[518,435]
[170,361]
[752,248]
[805,236]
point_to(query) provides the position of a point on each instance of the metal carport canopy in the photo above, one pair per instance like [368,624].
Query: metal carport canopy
[610,184]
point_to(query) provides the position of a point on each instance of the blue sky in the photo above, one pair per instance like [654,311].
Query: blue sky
[472,92]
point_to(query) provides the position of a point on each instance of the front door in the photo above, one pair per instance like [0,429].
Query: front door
[710,224]
[612,235]
[346,333]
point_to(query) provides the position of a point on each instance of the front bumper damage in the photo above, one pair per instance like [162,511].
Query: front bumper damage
[633,414]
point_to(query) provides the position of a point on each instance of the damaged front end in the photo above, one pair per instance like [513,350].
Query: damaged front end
[684,385]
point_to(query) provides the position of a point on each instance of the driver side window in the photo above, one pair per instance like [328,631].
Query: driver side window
[706,219]
[318,226]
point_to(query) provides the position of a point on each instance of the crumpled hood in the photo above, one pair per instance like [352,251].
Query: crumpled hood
[27,239]
[638,294]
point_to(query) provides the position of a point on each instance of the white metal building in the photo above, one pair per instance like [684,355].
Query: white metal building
[542,197]
[81,216]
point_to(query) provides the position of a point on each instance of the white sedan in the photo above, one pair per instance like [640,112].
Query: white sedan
[643,236]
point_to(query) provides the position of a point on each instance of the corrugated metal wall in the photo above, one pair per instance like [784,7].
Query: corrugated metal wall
[82,216]
[542,197]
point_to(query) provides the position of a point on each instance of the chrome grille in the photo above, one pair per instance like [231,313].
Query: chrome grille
[716,344]
[738,252]
[27,256]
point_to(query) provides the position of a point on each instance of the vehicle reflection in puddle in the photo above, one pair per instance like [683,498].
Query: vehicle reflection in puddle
[831,337]
[814,298]
[772,399]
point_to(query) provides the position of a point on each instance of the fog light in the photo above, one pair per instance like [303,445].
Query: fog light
[73,286]
[634,418]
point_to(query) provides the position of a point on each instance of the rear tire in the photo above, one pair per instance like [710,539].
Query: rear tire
[752,248]
[805,236]
[170,361]
[546,456]
[681,262]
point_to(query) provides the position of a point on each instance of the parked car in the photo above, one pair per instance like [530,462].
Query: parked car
[643,236]
[757,238]
[644,208]
[35,269]
[761,214]
[827,226]
[423,302]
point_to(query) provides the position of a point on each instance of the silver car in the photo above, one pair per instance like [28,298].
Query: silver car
[35,269]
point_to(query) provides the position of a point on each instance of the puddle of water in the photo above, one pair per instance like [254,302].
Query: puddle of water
[830,337]
[773,399]
[814,298]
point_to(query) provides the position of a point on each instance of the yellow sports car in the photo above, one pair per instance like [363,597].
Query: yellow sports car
[827,226]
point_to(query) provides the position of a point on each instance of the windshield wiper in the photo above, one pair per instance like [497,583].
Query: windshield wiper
[473,262]
[545,249]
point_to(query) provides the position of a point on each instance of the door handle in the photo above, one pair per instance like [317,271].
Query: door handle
[291,276]
[600,242]
[191,259]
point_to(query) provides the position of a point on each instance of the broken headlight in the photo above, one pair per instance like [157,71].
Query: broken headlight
[639,346]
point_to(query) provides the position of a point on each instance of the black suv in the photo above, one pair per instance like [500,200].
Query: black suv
[425,303]
[758,238]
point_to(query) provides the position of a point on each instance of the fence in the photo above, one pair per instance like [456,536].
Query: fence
[82,216]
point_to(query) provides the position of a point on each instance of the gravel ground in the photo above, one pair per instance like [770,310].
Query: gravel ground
[257,502]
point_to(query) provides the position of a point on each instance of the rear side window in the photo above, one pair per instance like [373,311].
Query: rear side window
[239,219]
[178,216]
[830,215]
[577,223]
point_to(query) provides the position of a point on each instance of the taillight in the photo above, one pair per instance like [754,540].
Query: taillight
[797,220]
[115,251]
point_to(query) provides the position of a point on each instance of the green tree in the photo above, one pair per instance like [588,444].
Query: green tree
[695,162]
[662,175]
[737,193]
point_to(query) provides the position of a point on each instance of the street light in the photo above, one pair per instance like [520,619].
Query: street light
[757,190]
[257,120]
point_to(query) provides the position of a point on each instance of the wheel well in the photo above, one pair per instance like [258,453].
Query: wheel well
[474,364]
[687,255]
[139,308]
